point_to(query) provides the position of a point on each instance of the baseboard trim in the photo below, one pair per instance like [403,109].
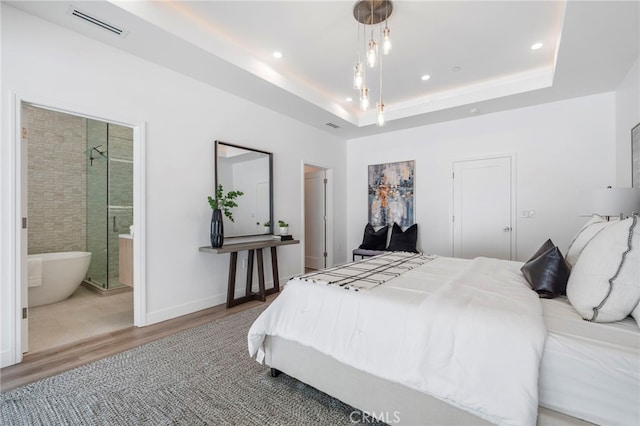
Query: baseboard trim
[184,309]
[200,304]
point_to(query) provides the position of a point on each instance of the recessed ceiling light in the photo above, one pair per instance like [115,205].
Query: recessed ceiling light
[349,99]
[536,46]
[425,77]
[277,54]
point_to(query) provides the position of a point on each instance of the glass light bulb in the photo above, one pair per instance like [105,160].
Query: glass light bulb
[358,77]
[364,98]
[380,117]
[386,41]
[372,53]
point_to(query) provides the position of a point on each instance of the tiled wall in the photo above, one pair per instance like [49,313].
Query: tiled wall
[56,180]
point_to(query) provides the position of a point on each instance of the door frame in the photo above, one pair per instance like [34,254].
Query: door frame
[329,175]
[513,163]
[12,253]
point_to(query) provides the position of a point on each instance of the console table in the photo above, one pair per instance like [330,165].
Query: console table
[251,246]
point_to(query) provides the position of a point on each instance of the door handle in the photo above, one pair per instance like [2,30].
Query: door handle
[506,229]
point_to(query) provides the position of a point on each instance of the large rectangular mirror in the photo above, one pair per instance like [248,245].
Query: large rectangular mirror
[248,170]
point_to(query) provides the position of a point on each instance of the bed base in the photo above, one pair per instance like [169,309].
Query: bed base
[391,402]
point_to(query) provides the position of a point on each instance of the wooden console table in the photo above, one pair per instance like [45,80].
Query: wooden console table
[251,247]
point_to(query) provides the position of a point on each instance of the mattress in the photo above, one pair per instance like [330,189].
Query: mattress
[590,370]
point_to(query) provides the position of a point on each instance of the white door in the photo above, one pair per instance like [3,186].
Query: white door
[482,208]
[315,219]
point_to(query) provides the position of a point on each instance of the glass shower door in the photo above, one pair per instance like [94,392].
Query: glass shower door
[109,198]
[97,201]
[120,194]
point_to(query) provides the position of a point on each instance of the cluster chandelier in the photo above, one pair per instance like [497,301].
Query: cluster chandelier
[370,13]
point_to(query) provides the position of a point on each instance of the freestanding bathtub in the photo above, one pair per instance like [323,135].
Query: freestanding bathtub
[53,277]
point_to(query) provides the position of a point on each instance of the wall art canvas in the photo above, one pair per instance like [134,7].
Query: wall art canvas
[391,194]
[635,156]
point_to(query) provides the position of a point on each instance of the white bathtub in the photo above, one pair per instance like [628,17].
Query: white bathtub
[53,277]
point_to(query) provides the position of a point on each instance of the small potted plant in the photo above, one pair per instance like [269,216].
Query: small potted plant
[267,227]
[221,203]
[284,227]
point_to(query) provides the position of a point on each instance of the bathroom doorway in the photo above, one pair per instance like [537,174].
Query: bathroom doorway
[79,199]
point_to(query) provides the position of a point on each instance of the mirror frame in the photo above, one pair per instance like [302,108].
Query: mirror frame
[270,156]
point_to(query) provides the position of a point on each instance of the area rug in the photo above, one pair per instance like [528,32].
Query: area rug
[201,376]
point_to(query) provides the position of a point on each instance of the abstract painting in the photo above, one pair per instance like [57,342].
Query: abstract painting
[391,194]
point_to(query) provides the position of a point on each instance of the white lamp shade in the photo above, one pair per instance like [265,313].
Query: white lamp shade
[615,201]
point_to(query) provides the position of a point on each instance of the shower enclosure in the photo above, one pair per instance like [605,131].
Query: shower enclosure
[109,198]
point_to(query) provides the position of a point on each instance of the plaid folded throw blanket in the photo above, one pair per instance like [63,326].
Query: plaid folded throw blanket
[368,273]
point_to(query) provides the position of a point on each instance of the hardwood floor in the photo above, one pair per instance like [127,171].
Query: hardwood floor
[49,362]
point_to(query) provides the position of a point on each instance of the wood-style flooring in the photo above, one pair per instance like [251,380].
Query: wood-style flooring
[49,362]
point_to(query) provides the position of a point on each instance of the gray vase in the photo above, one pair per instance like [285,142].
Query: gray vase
[217,229]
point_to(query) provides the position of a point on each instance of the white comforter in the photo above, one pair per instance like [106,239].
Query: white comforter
[473,337]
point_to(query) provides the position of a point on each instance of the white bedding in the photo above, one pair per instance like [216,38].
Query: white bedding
[480,342]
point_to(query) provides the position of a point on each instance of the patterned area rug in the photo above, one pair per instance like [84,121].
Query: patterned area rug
[201,376]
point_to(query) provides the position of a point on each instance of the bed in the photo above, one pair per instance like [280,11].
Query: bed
[542,364]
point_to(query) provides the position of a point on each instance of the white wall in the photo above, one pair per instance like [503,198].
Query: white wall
[627,116]
[183,117]
[562,148]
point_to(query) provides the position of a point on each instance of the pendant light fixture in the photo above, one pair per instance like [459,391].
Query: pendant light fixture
[372,54]
[386,39]
[364,98]
[358,69]
[370,13]
[380,105]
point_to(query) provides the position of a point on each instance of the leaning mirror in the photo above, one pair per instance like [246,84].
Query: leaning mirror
[248,170]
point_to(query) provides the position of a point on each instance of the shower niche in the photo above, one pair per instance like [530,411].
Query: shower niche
[109,199]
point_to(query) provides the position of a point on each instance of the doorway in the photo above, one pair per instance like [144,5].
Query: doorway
[16,220]
[483,208]
[315,218]
[79,204]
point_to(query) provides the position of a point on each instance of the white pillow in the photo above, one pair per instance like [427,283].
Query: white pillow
[636,314]
[604,285]
[582,238]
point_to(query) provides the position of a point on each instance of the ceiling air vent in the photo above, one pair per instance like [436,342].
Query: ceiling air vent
[74,11]
[335,126]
